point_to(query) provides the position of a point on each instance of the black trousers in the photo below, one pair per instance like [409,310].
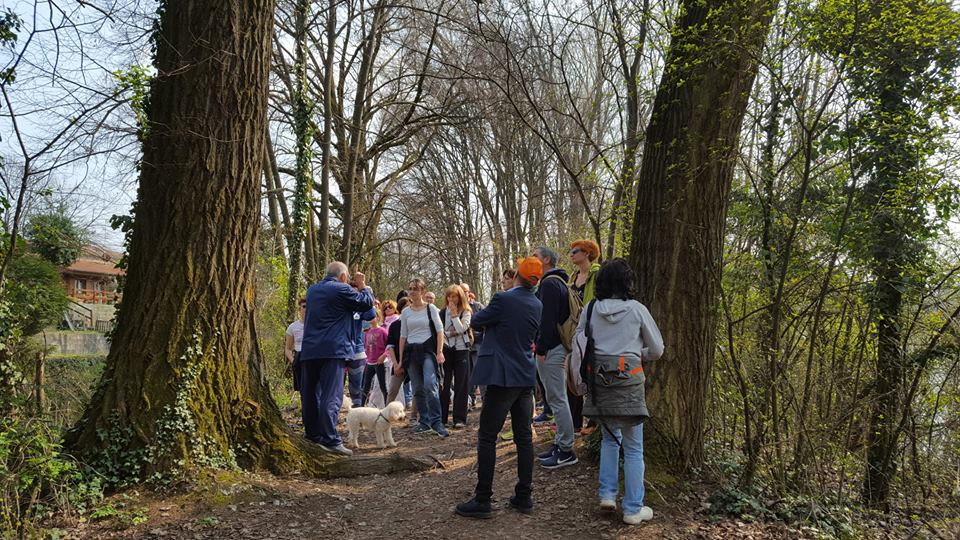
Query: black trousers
[368,372]
[497,402]
[576,409]
[456,378]
[296,371]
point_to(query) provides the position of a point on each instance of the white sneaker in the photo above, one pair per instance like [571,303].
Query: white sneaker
[645,514]
[608,505]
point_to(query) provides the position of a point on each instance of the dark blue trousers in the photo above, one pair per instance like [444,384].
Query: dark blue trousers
[321,395]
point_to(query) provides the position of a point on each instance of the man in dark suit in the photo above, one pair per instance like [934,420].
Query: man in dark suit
[506,366]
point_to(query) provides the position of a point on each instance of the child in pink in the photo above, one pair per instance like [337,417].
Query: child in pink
[375,345]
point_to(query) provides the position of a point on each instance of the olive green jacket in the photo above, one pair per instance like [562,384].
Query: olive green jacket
[591,285]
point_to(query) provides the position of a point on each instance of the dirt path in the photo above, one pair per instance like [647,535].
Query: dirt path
[244,506]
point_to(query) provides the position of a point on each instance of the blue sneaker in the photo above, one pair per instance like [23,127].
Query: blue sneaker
[441,431]
[549,453]
[560,459]
[542,418]
[423,428]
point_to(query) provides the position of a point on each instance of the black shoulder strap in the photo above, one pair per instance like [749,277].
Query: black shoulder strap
[433,327]
[588,333]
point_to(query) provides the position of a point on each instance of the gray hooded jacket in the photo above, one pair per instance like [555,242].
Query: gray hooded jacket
[624,333]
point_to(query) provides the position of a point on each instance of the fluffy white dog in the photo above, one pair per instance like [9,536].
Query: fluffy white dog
[376,420]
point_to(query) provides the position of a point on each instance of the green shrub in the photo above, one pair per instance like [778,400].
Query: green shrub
[36,479]
[35,294]
[69,385]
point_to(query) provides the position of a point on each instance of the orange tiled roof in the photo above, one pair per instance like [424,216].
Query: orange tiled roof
[87,266]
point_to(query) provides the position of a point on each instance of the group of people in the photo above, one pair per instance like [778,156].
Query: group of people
[524,343]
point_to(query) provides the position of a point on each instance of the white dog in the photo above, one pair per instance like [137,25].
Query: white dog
[377,420]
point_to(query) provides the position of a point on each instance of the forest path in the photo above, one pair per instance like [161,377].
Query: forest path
[245,506]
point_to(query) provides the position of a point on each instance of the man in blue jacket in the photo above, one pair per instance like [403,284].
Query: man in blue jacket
[551,357]
[506,366]
[327,347]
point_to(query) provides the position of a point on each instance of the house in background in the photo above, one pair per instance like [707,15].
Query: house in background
[91,283]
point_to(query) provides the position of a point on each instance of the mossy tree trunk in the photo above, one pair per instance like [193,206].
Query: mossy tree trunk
[184,385]
[683,187]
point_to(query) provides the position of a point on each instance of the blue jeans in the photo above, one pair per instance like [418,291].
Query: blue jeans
[407,392]
[355,380]
[426,389]
[632,440]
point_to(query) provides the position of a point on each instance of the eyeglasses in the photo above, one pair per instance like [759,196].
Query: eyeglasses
[574,251]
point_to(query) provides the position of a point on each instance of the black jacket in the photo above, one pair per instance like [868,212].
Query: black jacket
[556,309]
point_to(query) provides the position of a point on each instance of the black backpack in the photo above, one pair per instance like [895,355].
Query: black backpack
[587,363]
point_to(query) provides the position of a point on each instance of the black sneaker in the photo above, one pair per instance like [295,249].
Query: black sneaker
[524,506]
[560,459]
[474,509]
[549,453]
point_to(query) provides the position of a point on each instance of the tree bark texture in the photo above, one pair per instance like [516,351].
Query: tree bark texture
[189,298]
[683,187]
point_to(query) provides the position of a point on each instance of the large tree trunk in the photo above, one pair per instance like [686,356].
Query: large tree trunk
[684,182]
[184,384]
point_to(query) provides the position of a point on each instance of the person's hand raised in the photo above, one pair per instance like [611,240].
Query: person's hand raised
[360,279]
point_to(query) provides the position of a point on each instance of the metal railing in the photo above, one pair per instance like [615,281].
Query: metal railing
[78,317]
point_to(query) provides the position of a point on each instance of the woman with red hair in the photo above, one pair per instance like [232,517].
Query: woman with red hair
[584,255]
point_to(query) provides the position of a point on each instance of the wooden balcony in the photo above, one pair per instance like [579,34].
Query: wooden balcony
[93,296]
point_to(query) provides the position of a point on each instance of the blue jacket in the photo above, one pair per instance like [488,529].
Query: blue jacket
[328,327]
[556,309]
[510,322]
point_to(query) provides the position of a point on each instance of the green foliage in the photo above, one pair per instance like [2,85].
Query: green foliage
[36,479]
[271,314]
[901,58]
[70,381]
[55,237]
[117,464]
[10,24]
[118,511]
[34,294]
[136,79]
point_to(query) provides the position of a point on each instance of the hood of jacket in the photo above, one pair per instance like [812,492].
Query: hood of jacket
[614,310]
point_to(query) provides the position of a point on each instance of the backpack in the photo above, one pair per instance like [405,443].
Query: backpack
[568,328]
[580,368]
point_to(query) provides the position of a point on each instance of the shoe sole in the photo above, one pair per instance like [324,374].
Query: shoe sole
[560,464]
[608,508]
[477,515]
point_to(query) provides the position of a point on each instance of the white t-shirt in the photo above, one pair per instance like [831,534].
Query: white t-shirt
[296,330]
[415,323]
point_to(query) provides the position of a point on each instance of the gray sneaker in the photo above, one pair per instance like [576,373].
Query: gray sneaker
[338,449]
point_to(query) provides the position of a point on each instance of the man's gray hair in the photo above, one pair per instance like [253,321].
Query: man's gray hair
[335,270]
[550,255]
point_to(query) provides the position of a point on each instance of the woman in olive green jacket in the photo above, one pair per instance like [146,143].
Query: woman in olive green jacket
[584,255]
